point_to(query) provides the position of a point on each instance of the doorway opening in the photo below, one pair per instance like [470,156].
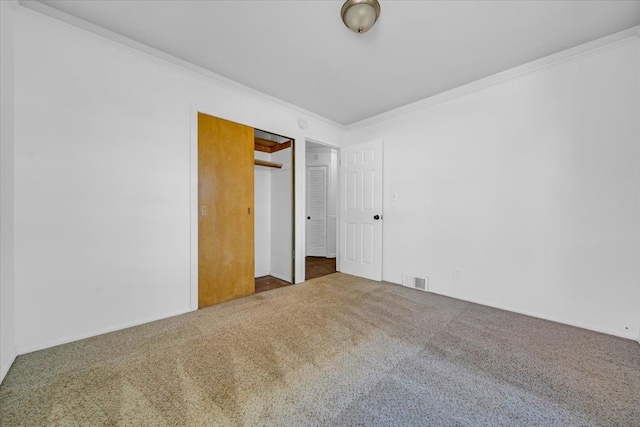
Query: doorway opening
[274,210]
[321,210]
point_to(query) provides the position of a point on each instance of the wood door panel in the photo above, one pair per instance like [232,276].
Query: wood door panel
[226,230]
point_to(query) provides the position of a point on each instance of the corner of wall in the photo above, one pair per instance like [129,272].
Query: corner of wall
[7,278]
[370,126]
[442,133]
[6,365]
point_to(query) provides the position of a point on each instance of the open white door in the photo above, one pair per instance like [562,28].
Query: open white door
[361,210]
[316,211]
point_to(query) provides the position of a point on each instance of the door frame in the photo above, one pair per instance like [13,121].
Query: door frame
[338,201]
[293,204]
[297,220]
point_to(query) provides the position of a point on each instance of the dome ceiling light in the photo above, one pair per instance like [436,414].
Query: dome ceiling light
[360,15]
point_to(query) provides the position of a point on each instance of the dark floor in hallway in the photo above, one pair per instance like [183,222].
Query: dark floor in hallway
[267,283]
[319,266]
[315,267]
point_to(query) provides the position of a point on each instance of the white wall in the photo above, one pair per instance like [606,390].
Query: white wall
[281,214]
[273,214]
[262,208]
[7,293]
[637,72]
[529,187]
[328,157]
[104,179]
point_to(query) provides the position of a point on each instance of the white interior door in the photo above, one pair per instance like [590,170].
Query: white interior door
[361,210]
[316,228]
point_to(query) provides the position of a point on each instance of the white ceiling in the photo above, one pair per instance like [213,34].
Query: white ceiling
[301,52]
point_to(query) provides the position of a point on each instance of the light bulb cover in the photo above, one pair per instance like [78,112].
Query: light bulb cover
[360,15]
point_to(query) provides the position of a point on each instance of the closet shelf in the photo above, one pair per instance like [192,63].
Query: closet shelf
[258,162]
[267,146]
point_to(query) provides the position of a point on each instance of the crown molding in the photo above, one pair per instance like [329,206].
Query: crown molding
[612,41]
[51,15]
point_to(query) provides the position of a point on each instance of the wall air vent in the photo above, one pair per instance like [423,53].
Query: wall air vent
[415,282]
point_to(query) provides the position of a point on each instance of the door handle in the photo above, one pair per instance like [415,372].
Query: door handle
[377,217]
[308,217]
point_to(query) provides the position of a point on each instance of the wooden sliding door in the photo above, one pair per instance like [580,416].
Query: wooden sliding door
[225,201]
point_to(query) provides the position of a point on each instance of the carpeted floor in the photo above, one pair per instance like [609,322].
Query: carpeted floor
[337,350]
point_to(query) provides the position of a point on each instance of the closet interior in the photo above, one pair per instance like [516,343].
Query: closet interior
[273,192]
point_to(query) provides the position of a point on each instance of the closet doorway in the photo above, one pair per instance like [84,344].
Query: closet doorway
[244,212]
[274,207]
[321,210]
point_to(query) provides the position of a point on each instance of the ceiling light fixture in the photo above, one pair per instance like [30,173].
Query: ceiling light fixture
[360,15]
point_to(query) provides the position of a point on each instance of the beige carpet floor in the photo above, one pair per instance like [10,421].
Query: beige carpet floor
[336,350]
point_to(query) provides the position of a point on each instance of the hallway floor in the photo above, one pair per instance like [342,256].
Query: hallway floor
[319,266]
[315,267]
[267,283]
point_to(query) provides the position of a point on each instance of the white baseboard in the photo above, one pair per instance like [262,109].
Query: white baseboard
[280,276]
[331,255]
[7,366]
[66,340]
[536,315]
[539,316]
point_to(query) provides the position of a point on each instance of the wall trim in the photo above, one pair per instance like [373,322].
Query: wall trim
[193,207]
[622,38]
[49,14]
[536,315]
[64,20]
[7,366]
[314,141]
[325,149]
[97,332]
[338,201]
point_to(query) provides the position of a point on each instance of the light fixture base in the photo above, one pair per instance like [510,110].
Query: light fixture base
[360,15]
